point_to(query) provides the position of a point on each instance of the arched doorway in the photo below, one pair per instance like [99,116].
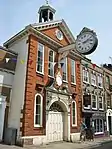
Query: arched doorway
[57,122]
[109,121]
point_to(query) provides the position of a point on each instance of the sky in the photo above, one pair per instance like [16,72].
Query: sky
[94,14]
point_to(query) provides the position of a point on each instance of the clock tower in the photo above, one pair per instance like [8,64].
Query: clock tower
[46,13]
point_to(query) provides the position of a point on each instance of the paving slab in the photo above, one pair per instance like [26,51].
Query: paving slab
[64,145]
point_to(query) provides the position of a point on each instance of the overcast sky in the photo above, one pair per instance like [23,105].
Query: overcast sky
[94,14]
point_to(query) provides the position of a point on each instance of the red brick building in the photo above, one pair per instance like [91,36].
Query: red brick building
[46,111]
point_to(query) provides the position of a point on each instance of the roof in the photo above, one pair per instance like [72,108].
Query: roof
[60,23]
[37,27]
[7,50]
[47,6]
[8,60]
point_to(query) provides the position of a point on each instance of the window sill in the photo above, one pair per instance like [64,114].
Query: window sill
[40,73]
[86,82]
[95,109]
[87,108]
[94,85]
[74,125]
[100,87]
[65,81]
[98,133]
[51,76]
[73,83]
[37,126]
[101,109]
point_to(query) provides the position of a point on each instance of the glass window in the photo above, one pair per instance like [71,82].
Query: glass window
[74,113]
[107,82]
[107,79]
[98,125]
[38,111]
[85,76]
[93,79]
[87,101]
[64,68]
[108,100]
[73,77]
[100,102]
[94,102]
[40,58]
[51,61]
[100,81]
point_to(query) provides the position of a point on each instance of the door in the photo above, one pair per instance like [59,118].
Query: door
[110,125]
[55,126]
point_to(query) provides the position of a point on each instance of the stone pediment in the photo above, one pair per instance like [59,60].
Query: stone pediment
[51,26]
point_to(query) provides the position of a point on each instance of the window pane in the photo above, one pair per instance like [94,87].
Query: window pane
[72,71]
[101,126]
[64,69]
[40,58]
[85,76]
[73,113]
[98,125]
[73,119]
[100,102]
[95,127]
[38,110]
[37,120]
[51,60]
[94,101]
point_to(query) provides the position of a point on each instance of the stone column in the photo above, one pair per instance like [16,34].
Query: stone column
[68,126]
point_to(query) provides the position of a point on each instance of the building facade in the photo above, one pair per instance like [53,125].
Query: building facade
[108,95]
[93,100]
[47,110]
[7,71]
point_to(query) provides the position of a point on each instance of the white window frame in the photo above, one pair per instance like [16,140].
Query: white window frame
[100,81]
[86,76]
[43,60]
[88,107]
[102,103]
[66,69]
[92,102]
[99,132]
[75,114]
[93,77]
[41,111]
[74,82]
[52,63]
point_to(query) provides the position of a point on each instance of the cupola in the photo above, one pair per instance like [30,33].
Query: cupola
[46,13]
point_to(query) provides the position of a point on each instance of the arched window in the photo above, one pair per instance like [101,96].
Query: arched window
[74,114]
[51,60]
[38,110]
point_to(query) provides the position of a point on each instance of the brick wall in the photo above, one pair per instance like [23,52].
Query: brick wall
[32,80]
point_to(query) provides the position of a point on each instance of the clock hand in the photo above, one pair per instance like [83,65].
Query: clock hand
[87,40]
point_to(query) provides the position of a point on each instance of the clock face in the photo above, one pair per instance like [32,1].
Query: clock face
[59,34]
[86,43]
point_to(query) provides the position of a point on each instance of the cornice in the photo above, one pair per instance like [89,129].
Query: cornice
[31,30]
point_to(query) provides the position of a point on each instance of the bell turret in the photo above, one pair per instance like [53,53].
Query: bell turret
[46,13]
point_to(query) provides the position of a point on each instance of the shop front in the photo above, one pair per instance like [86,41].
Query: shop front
[98,123]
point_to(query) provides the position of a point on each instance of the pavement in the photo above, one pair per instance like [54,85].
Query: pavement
[65,145]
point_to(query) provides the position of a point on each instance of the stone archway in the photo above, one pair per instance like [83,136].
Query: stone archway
[58,121]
